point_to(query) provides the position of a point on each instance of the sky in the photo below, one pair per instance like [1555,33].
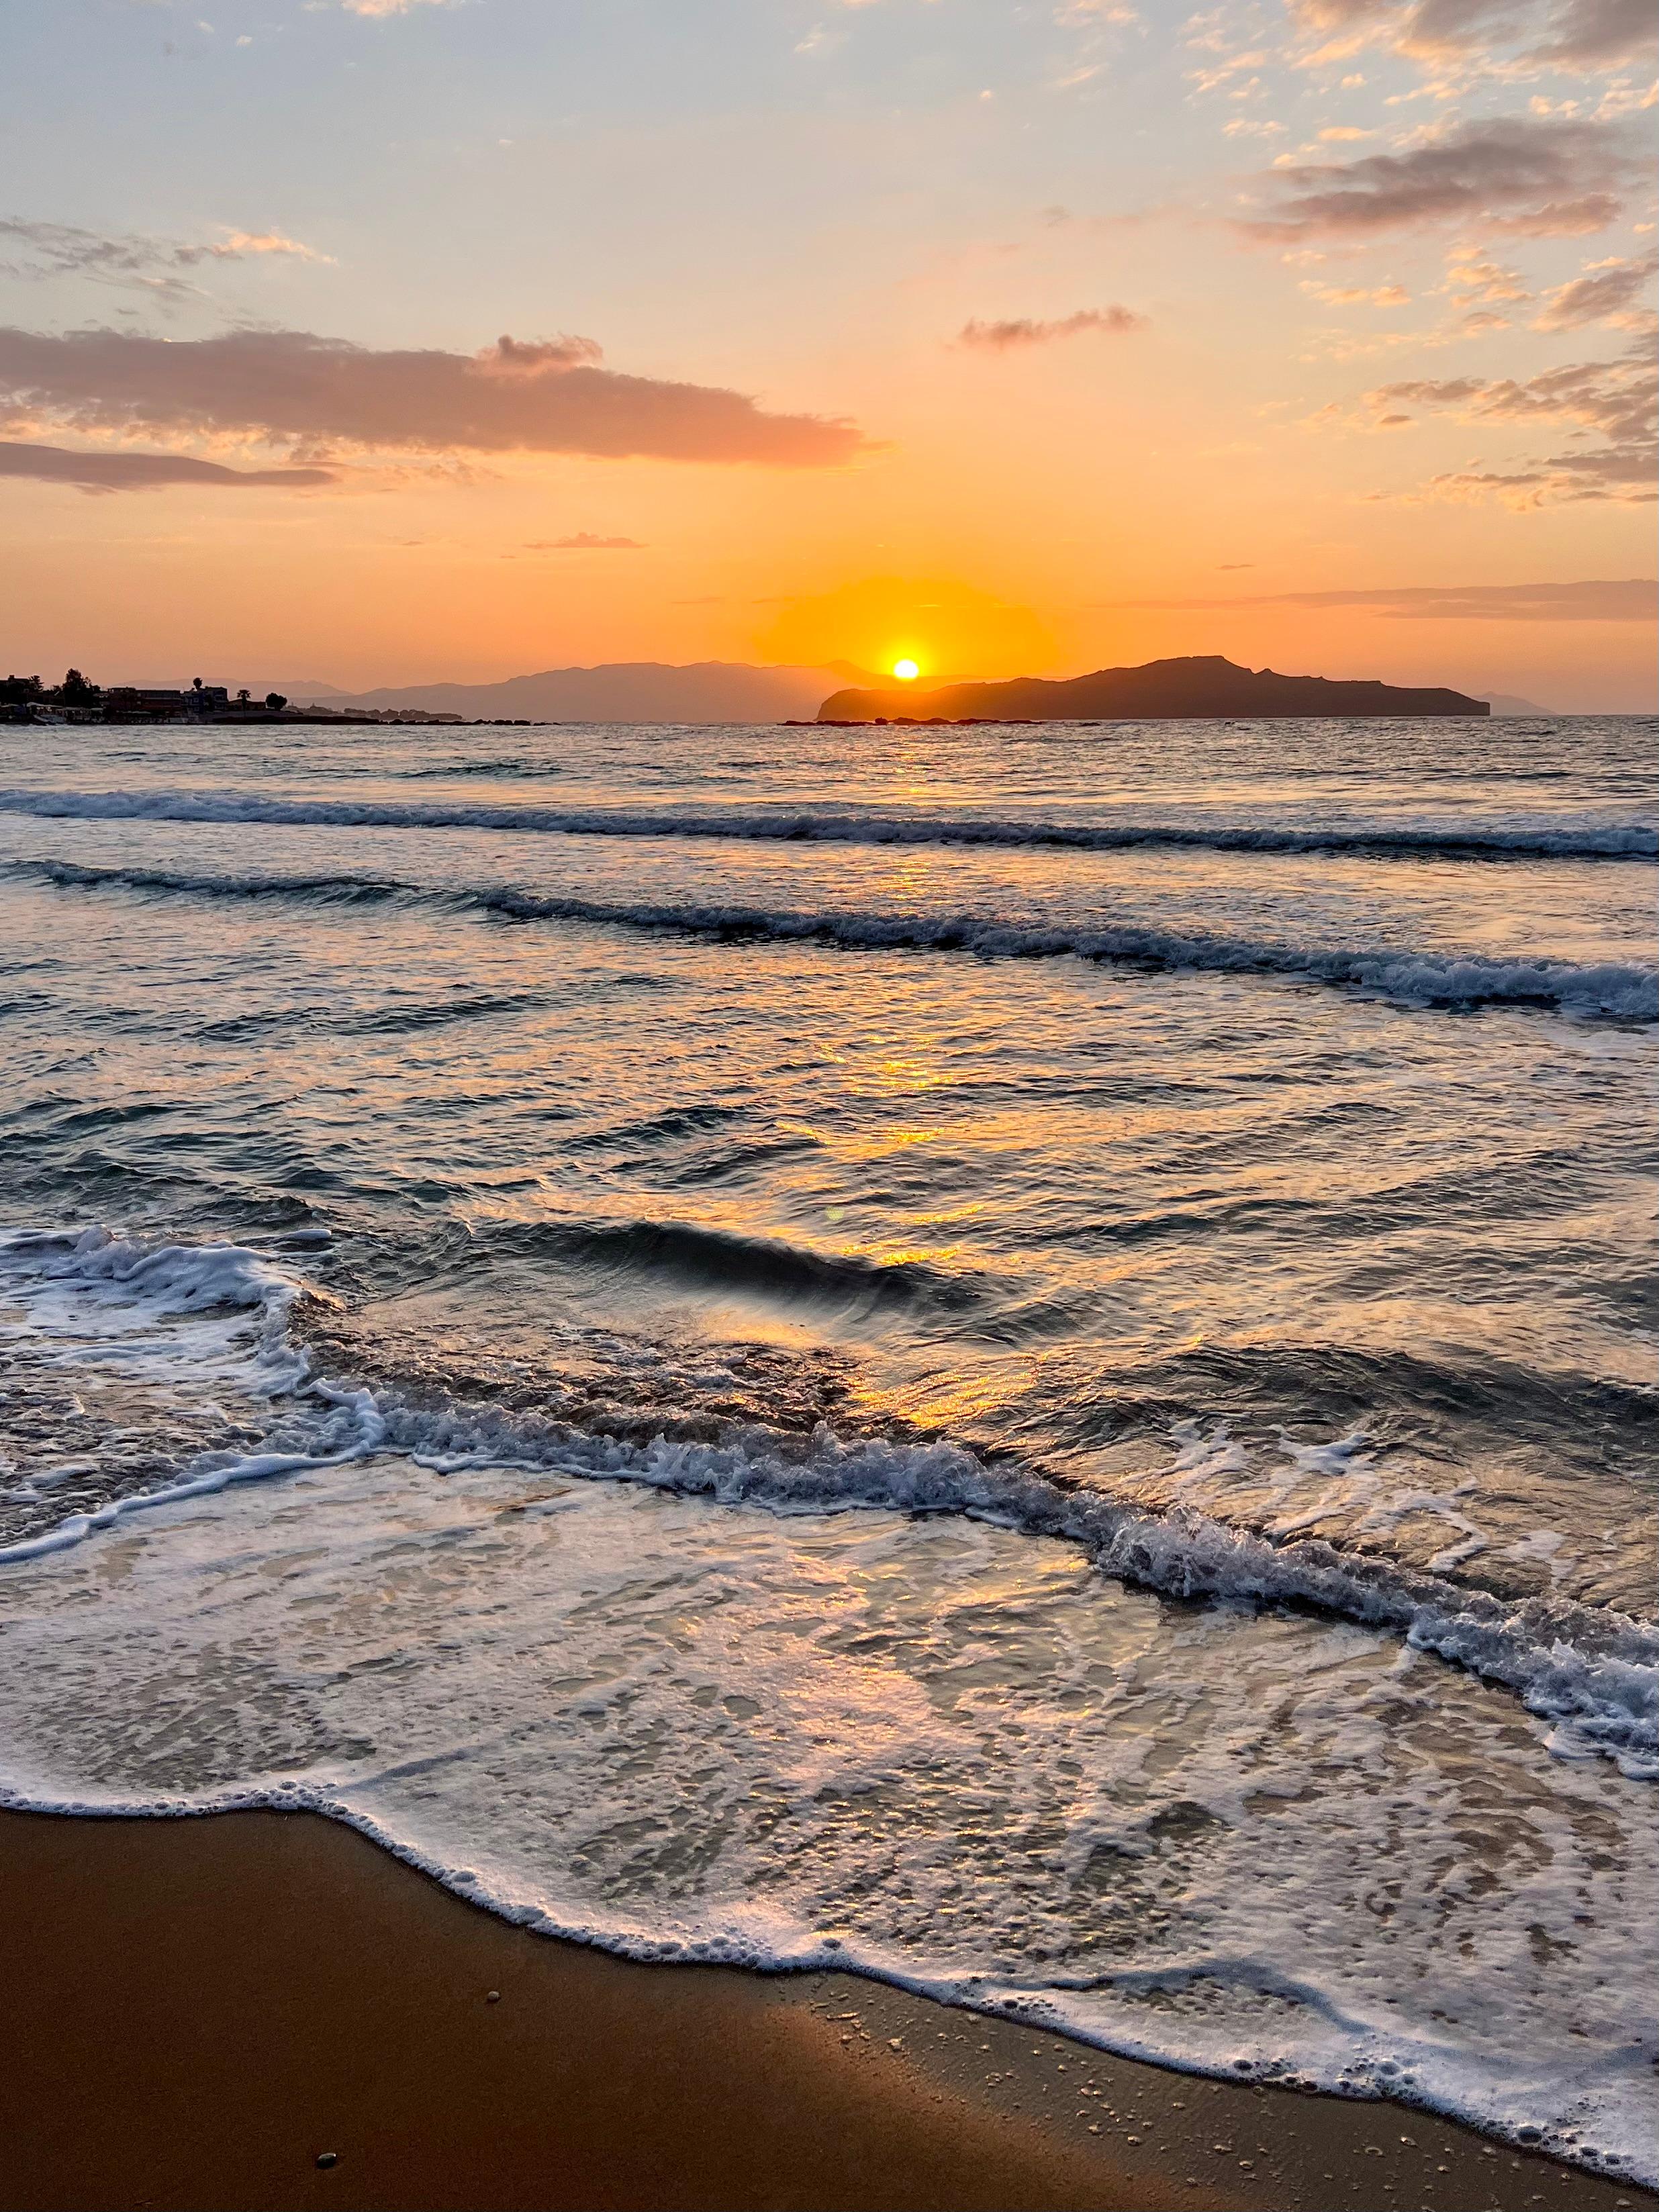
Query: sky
[394,341]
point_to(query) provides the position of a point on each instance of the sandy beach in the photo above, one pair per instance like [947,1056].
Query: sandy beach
[267,2010]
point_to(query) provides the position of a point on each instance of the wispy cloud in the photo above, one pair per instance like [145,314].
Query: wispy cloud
[1029,330]
[106,472]
[1534,176]
[1474,280]
[583,541]
[1606,293]
[1598,33]
[1518,35]
[1357,295]
[135,259]
[391,6]
[295,389]
[1616,401]
[1633,599]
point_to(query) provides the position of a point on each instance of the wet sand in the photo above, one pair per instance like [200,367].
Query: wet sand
[200,2011]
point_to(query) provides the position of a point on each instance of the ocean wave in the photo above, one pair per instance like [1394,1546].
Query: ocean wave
[1591,1672]
[1525,839]
[1595,1673]
[723,1260]
[328,888]
[1617,990]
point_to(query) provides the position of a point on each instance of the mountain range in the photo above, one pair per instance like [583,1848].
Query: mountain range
[716,692]
[616,691]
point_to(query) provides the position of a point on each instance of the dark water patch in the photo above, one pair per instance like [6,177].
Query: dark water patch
[672,1123]
[1431,1404]
[390,1021]
[1196,1214]
[734,1161]
[520,769]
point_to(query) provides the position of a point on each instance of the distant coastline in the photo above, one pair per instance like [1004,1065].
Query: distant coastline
[635,694]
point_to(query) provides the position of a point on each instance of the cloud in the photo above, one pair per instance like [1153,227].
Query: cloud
[391,7]
[1350,295]
[1597,33]
[1535,176]
[1578,35]
[142,471]
[1616,401]
[583,541]
[1486,283]
[1625,477]
[131,258]
[1619,399]
[1631,600]
[1604,293]
[1025,331]
[292,388]
[237,244]
[1086,13]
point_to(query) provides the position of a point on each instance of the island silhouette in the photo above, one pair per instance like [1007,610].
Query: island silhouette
[1197,685]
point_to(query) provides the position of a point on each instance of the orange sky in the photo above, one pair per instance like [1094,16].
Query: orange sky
[1012,340]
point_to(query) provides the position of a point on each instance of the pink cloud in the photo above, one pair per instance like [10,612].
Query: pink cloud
[295,389]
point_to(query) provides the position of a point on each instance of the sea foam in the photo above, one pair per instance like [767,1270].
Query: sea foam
[797,1700]
[1592,1673]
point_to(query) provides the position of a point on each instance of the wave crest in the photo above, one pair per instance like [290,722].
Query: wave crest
[1615,990]
[1593,1673]
[1524,839]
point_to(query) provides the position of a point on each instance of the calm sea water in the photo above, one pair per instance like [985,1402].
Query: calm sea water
[1016,1357]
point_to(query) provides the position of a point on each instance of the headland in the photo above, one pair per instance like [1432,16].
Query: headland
[1197,686]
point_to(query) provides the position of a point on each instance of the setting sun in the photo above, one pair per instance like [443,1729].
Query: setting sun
[906,671]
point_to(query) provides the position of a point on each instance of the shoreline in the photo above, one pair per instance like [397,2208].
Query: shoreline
[203,2007]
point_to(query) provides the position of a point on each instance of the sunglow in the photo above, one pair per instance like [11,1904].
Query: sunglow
[906,671]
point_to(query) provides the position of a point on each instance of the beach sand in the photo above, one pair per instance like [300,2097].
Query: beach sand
[200,2010]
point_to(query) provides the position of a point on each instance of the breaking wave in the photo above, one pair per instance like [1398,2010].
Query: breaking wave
[1592,1672]
[1615,990]
[1522,839]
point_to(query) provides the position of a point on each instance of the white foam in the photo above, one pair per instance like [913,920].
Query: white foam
[1592,1672]
[945,1752]
[214,1313]
[885,1722]
[99,1273]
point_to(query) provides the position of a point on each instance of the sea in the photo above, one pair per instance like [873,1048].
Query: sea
[1016,1359]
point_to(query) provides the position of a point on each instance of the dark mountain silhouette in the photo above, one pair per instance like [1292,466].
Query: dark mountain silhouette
[1506,703]
[618,691]
[1199,684]
[305,688]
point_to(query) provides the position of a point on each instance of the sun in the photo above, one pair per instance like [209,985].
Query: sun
[906,671]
